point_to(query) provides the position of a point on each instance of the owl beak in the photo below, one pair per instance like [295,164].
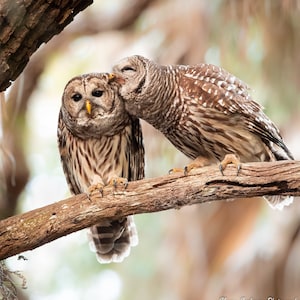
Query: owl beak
[88,106]
[116,78]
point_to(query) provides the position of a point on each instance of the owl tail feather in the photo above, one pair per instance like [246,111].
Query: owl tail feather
[279,202]
[112,240]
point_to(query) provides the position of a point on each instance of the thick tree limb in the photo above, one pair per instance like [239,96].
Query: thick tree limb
[35,228]
[25,25]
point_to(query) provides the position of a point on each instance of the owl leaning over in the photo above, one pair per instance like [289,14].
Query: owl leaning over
[203,110]
[99,143]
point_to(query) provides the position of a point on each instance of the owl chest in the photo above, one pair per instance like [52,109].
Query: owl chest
[96,161]
[200,136]
[183,130]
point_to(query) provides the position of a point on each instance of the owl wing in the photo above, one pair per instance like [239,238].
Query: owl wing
[112,239]
[218,90]
[64,137]
[136,152]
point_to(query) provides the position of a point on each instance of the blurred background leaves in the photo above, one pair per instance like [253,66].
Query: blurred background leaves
[231,249]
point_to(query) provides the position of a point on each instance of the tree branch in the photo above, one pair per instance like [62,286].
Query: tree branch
[37,227]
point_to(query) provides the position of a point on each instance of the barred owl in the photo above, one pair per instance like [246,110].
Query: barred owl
[99,143]
[203,110]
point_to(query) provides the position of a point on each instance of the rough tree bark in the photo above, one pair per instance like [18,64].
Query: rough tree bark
[35,228]
[22,31]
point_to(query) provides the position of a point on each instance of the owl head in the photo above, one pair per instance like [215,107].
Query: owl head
[91,105]
[138,77]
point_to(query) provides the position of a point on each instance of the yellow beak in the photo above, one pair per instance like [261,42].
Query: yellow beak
[111,76]
[88,106]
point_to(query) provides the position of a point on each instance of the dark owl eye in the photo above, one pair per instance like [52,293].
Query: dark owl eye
[77,97]
[97,93]
[127,68]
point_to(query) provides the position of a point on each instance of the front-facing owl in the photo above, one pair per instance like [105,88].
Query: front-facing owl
[100,143]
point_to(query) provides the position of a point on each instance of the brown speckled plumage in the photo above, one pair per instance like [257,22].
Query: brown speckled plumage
[98,146]
[203,110]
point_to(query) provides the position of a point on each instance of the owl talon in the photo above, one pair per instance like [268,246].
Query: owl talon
[199,162]
[117,181]
[230,159]
[176,170]
[186,170]
[95,187]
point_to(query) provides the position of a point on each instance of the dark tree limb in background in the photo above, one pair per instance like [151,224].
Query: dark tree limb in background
[35,228]
[25,25]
